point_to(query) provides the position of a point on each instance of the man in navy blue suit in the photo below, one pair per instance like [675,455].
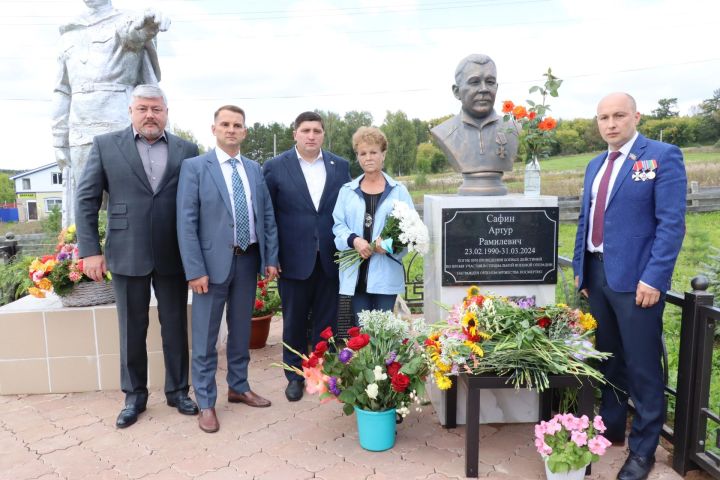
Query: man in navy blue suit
[630,231]
[304,183]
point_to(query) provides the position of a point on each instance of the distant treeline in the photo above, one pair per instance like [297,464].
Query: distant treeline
[411,151]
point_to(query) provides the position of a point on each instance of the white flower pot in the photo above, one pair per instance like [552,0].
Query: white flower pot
[578,474]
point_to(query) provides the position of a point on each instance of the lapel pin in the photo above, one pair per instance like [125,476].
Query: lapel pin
[332,162]
[632,157]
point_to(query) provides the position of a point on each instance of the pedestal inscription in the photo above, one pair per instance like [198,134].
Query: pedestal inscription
[487,245]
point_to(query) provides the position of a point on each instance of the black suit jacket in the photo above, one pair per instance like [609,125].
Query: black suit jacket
[302,229]
[141,230]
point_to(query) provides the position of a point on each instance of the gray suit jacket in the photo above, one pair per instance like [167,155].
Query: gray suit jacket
[205,225]
[141,223]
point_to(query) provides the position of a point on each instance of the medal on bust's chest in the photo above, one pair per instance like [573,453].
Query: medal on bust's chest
[501,141]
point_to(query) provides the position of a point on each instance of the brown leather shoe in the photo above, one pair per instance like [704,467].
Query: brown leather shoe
[207,420]
[249,398]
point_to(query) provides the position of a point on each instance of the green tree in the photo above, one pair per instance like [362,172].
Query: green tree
[7,188]
[709,124]
[189,136]
[352,120]
[429,158]
[402,143]
[422,130]
[667,108]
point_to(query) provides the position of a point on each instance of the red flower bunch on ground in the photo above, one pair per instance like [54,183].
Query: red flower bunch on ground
[537,137]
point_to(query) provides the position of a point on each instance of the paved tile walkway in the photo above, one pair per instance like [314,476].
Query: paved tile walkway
[52,437]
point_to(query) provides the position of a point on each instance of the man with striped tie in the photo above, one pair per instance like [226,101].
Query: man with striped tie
[227,235]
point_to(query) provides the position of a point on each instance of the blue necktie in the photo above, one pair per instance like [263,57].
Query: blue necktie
[242,222]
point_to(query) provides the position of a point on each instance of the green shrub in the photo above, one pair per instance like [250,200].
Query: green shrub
[14,279]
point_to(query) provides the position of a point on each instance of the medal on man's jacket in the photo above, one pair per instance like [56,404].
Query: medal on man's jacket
[644,170]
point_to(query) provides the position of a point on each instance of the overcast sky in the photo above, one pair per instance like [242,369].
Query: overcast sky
[280,57]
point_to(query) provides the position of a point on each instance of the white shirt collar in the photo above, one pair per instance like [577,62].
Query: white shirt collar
[319,157]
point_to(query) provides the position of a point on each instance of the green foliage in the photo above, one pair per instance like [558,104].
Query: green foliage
[263,140]
[667,108]
[52,224]
[421,180]
[189,136]
[429,158]
[402,143]
[680,131]
[14,279]
[7,188]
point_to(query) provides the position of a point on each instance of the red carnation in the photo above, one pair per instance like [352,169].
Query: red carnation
[326,334]
[321,348]
[261,284]
[354,332]
[400,382]
[393,369]
[259,304]
[543,322]
[358,342]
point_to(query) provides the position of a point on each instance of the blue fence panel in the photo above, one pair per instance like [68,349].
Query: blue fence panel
[9,215]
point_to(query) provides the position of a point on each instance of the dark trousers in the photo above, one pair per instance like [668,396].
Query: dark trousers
[238,291]
[319,294]
[132,295]
[634,337]
[371,301]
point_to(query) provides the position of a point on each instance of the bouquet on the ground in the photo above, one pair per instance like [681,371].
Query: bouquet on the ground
[570,443]
[267,300]
[492,334]
[379,367]
[403,229]
[61,271]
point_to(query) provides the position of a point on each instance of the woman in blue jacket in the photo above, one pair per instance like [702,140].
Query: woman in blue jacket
[360,213]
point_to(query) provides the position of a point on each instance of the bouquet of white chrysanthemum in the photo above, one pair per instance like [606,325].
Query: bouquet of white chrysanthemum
[403,229]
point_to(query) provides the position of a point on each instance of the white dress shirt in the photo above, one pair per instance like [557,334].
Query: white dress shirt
[624,152]
[226,168]
[315,176]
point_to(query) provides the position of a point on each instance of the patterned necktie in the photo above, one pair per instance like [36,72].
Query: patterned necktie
[601,200]
[242,222]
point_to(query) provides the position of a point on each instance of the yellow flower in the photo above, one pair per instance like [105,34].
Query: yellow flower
[36,292]
[472,291]
[45,284]
[587,322]
[562,305]
[469,319]
[442,381]
[71,228]
[37,265]
[475,348]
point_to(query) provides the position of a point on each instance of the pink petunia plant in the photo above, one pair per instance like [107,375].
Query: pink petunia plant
[570,443]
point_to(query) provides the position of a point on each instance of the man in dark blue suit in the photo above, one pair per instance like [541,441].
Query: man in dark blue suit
[630,231]
[304,183]
[227,236]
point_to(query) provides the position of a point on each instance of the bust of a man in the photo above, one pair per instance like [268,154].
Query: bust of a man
[477,142]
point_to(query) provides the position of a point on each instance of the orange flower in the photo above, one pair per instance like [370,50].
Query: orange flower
[519,112]
[508,106]
[548,124]
[532,115]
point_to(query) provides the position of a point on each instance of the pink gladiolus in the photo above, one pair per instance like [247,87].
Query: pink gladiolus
[316,381]
[580,438]
[598,424]
[598,445]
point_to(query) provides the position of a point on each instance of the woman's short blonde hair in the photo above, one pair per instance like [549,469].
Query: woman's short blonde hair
[371,136]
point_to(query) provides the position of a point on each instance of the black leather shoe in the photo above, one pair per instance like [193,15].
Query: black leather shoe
[636,467]
[184,405]
[129,415]
[294,390]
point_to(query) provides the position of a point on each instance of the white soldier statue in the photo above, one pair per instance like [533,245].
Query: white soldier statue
[477,142]
[104,54]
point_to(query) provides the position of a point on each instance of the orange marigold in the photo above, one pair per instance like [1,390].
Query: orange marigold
[508,106]
[519,112]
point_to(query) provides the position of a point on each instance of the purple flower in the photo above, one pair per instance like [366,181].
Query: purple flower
[62,256]
[345,355]
[332,386]
[526,302]
[390,358]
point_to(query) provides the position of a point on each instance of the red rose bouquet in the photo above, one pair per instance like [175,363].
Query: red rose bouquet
[379,367]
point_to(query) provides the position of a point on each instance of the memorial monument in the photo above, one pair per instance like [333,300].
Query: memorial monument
[477,142]
[103,55]
[505,244]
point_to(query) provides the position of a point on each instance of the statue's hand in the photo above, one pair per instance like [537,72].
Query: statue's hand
[62,157]
[152,22]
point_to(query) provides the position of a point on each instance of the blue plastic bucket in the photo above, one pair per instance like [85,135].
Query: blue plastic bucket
[376,429]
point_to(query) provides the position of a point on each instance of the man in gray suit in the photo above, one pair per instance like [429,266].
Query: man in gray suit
[138,167]
[227,235]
